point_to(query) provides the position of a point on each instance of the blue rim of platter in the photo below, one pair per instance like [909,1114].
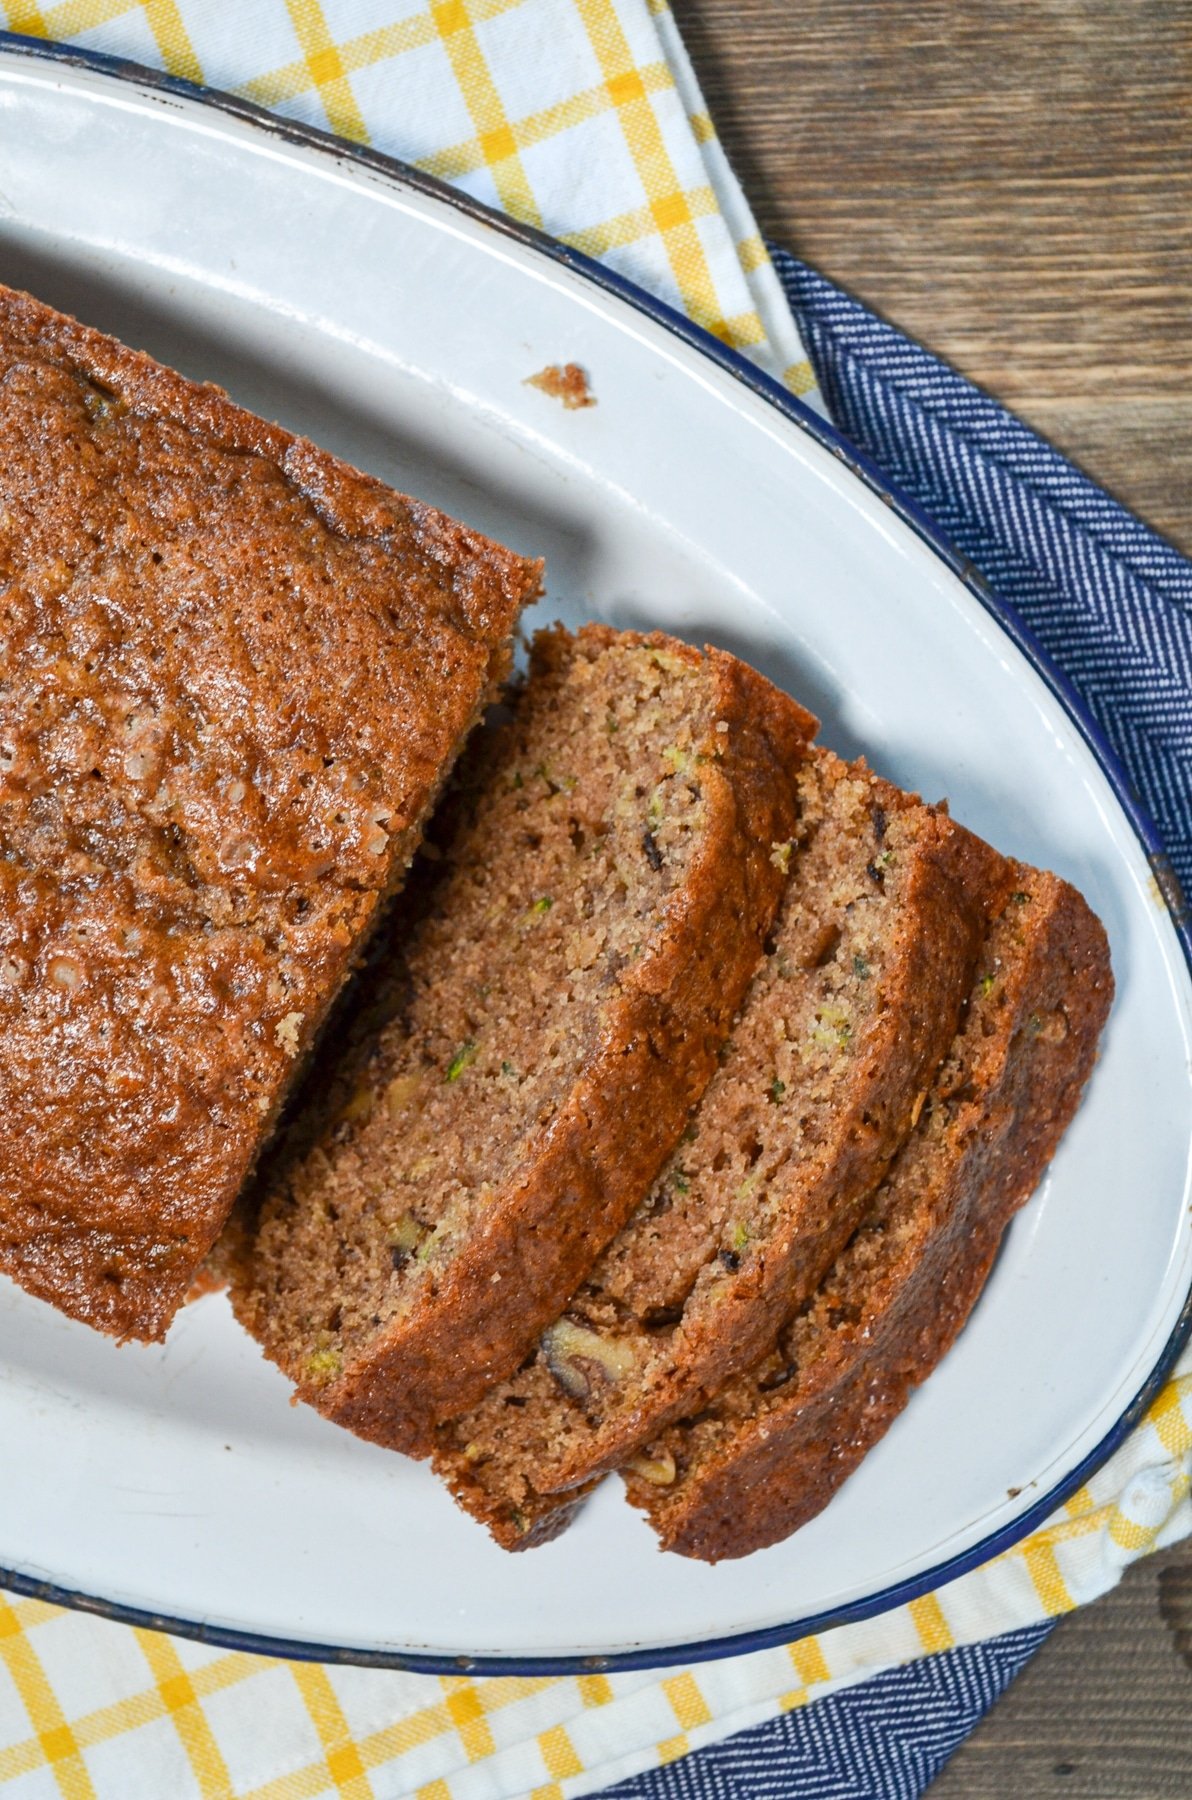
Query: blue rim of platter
[168,88]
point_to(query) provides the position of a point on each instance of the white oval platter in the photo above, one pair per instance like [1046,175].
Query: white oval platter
[397,326]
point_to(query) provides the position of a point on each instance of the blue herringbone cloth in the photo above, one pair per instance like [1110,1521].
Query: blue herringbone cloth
[1111,604]
[1109,601]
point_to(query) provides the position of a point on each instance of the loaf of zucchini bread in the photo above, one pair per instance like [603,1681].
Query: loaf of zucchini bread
[613,859]
[674,1114]
[233,675]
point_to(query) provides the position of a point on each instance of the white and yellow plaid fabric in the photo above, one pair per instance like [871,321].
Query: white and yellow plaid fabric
[581,116]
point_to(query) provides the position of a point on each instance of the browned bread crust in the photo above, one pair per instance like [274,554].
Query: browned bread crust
[467,1317]
[233,672]
[777,1444]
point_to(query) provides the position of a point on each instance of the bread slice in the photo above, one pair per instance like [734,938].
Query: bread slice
[841,1033]
[602,903]
[233,673]
[773,1446]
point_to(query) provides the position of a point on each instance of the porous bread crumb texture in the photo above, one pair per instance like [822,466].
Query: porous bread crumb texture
[770,1450]
[216,750]
[595,916]
[843,1027]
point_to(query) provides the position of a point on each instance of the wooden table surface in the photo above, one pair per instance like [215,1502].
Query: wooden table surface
[1010,181]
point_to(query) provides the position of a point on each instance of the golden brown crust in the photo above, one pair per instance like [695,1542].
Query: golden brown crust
[658,1045]
[217,754]
[780,1464]
[483,584]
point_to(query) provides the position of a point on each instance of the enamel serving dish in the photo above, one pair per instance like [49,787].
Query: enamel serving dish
[397,323]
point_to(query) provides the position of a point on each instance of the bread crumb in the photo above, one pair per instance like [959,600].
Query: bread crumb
[286,1032]
[567,383]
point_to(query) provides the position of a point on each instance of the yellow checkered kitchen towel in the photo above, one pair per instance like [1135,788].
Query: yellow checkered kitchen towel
[93,1709]
[581,116]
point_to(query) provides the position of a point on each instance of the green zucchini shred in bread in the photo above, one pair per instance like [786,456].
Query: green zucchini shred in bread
[216,753]
[842,1029]
[773,1446]
[557,1007]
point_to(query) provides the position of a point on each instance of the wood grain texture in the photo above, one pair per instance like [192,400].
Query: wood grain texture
[1010,183]
[1104,1712]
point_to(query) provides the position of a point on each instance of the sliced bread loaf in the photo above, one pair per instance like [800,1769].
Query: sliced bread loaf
[555,1011]
[843,1028]
[770,1450]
